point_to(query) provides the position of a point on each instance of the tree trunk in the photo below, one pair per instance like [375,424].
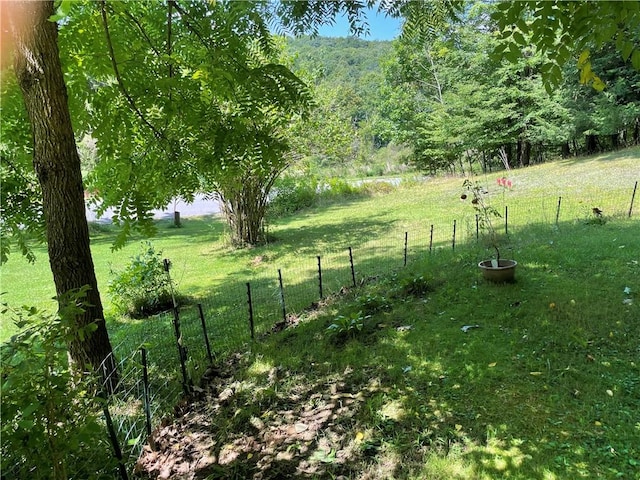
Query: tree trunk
[566,151]
[524,153]
[615,144]
[57,165]
[592,144]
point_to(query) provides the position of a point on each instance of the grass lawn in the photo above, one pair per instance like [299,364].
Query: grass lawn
[547,386]
[203,262]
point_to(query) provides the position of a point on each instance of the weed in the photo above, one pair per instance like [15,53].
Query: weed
[372,303]
[345,327]
[50,421]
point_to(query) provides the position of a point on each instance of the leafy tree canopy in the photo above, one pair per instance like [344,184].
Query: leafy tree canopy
[560,30]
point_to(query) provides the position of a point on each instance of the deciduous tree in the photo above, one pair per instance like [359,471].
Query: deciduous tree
[57,166]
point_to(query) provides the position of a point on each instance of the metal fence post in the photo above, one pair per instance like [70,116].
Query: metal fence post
[506,220]
[145,384]
[633,196]
[122,469]
[182,353]
[249,301]
[453,241]
[320,277]
[406,242]
[353,271]
[558,210]
[431,239]
[284,308]
[205,334]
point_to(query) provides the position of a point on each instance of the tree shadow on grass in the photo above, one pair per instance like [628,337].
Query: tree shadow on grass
[524,395]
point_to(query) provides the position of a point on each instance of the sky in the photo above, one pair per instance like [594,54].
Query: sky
[380,27]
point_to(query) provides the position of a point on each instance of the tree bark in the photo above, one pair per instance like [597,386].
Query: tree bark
[57,165]
[591,144]
[524,153]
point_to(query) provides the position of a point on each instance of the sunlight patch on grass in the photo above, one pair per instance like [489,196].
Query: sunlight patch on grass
[260,366]
[446,467]
[393,410]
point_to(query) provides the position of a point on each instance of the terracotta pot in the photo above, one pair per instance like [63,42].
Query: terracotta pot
[504,272]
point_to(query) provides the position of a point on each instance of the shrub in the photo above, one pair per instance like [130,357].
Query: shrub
[143,288]
[50,426]
[293,194]
[338,187]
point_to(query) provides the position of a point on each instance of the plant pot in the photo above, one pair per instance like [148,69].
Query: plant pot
[504,271]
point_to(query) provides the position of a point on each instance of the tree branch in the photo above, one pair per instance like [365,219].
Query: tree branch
[116,71]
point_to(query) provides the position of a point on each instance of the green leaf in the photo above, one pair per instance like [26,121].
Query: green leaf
[635,59]
[62,10]
[598,84]
[519,38]
[584,57]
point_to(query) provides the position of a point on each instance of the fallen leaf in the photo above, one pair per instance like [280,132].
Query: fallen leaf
[535,373]
[491,365]
[359,436]
[300,427]
[610,393]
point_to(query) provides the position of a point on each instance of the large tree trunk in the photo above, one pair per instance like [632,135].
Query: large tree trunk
[57,164]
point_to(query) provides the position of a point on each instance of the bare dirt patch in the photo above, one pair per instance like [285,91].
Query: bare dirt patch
[260,430]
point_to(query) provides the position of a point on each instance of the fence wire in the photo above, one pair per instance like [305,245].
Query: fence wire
[242,311]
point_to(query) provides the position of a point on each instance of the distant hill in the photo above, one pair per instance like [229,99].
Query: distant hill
[338,60]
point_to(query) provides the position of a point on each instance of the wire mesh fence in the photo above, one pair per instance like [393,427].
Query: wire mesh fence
[170,352]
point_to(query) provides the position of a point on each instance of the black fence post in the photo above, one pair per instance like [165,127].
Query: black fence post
[284,307]
[122,469]
[320,277]
[406,242]
[353,271]
[477,227]
[205,334]
[453,241]
[633,197]
[182,354]
[145,384]
[506,220]
[249,301]
[431,239]
[558,210]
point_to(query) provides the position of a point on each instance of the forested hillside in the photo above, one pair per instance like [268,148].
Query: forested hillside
[456,105]
[345,74]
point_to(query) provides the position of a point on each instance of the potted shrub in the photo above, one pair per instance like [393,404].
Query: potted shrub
[497,269]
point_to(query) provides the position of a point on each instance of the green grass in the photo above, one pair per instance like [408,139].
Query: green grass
[373,226]
[547,387]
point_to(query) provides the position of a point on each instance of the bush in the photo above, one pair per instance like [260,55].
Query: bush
[143,288]
[293,194]
[50,420]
